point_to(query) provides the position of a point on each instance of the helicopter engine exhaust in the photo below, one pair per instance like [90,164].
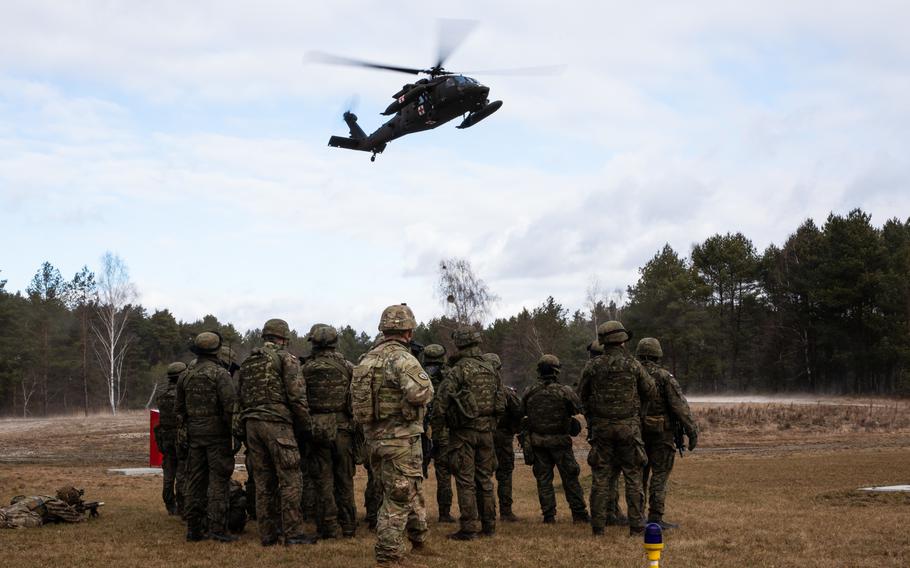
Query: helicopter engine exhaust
[478,115]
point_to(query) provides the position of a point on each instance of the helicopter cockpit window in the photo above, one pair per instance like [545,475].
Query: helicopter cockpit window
[450,82]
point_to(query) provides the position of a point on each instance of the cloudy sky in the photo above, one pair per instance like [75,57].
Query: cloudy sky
[190,139]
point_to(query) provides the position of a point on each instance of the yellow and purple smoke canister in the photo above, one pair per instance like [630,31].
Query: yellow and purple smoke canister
[654,544]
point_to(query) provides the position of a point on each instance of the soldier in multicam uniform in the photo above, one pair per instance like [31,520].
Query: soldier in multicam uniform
[327,375]
[550,409]
[666,407]
[205,406]
[507,427]
[25,512]
[166,439]
[273,414]
[390,392]
[614,388]
[434,361]
[472,399]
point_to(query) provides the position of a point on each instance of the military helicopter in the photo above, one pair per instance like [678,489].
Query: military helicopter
[428,102]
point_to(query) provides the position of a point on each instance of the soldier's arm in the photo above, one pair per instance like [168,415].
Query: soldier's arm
[414,381]
[180,403]
[584,385]
[678,404]
[226,395]
[295,387]
[572,401]
[647,387]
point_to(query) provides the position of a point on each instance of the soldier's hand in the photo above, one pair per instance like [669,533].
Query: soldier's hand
[693,440]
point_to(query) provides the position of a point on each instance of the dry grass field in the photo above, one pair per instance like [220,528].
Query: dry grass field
[773,485]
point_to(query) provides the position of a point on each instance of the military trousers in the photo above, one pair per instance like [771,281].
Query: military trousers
[276,470]
[397,465]
[443,478]
[473,461]
[503,444]
[563,459]
[661,454]
[210,464]
[332,470]
[614,511]
[171,492]
[307,487]
[617,444]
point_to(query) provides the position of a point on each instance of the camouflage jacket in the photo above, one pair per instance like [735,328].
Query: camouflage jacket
[327,377]
[466,365]
[439,431]
[405,381]
[291,406]
[614,387]
[510,422]
[668,400]
[34,511]
[549,407]
[166,401]
[205,401]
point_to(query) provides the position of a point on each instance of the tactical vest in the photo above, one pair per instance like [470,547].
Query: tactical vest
[166,400]
[657,403]
[614,388]
[374,396]
[327,382]
[481,380]
[546,409]
[260,379]
[201,390]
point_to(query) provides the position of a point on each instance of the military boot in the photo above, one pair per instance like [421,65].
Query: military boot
[488,531]
[193,535]
[581,518]
[300,539]
[423,549]
[462,535]
[636,531]
[549,520]
[663,524]
[617,520]
[446,517]
[223,537]
[507,515]
[597,531]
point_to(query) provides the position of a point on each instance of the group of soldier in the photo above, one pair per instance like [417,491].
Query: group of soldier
[314,419]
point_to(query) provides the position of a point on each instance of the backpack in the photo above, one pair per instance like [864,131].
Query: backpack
[365,388]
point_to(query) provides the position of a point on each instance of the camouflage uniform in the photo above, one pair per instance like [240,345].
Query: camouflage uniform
[205,405]
[665,408]
[274,414]
[435,365]
[471,454]
[166,439]
[611,390]
[390,392]
[550,408]
[30,512]
[327,376]
[504,445]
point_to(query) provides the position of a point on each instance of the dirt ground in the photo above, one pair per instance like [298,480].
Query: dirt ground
[766,488]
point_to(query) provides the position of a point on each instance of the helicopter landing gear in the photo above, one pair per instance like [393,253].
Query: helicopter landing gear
[373,158]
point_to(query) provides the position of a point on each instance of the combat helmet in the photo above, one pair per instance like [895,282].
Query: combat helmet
[207,343]
[276,327]
[174,369]
[649,347]
[466,336]
[228,358]
[612,332]
[434,353]
[398,317]
[548,365]
[494,359]
[323,335]
[595,348]
[70,495]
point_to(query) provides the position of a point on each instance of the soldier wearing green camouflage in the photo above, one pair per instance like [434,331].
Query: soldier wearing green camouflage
[472,399]
[614,512]
[550,409]
[205,404]
[166,439]
[389,393]
[274,413]
[327,375]
[507,428]
[434,362]
[666,407]
[614,388]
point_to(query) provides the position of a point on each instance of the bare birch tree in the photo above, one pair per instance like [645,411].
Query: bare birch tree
[115,294]
[466,297]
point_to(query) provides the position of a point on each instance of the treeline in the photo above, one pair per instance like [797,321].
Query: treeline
[826,312]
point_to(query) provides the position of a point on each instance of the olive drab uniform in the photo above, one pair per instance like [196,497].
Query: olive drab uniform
[173,471]
[472,399]
[205,403]
[390,392]
[612,388]
[666,406]
[327,376]
[273,411]
[440,436]
[549,408]
[508,426]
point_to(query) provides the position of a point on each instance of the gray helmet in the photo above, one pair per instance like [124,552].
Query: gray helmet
[493,358]
[276,328]
[207,343]
[397,318]
[466,336]
[434,353]
[322,335]
[612,332]
[649,347]
[174,369]
[548,365]
[595,349]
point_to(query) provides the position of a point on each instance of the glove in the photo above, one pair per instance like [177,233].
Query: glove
[693,440]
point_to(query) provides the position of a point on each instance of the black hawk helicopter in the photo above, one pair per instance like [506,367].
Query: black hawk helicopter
[429,102]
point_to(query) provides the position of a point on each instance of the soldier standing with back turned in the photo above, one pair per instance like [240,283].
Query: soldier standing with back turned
[666,408]
[434,362]
[613,389]
[205,404]
[166,438]
[507,427]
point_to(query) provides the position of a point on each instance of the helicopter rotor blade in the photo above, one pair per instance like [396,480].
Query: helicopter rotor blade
[452,32]
[540,71]
[327,58]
